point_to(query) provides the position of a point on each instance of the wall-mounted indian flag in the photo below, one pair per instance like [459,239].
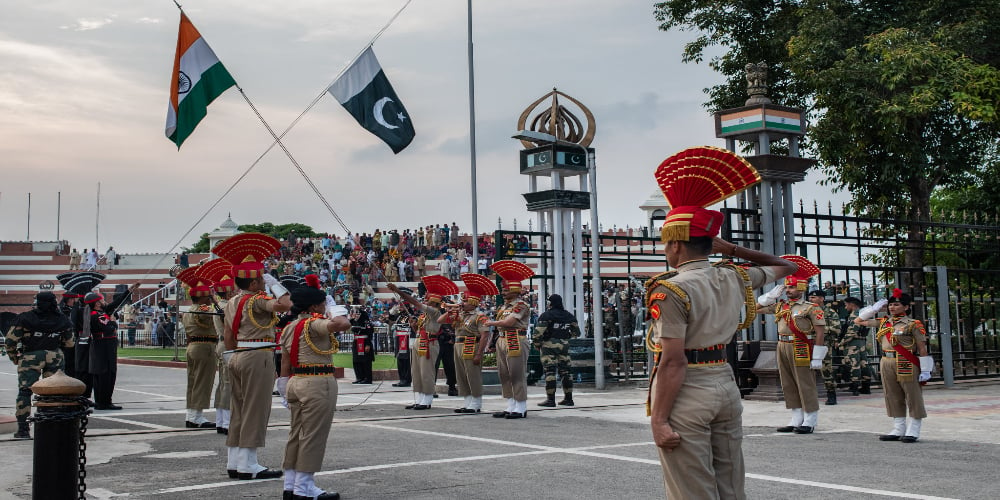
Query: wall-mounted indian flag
[198,79]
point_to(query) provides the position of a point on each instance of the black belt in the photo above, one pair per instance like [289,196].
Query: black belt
[213,340]
[714,354]
[314,370]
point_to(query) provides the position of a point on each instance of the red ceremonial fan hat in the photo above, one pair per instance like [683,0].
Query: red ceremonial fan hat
[801,277]
[246,252]
[694,179]
[478,285]
[438,286]
[512,272]
[197,286]
[219,272]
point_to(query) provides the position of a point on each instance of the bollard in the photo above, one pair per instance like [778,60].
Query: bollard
[58,471]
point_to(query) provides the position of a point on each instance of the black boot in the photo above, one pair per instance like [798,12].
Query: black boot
[550,401]
[854,389]
[831,397]
[866,387]
[22,430]
[567,399]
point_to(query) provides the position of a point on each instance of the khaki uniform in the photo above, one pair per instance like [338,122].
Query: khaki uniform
[312,398]
[201,364]
[513,369]
[423,368]
[798,383]
[903,394]
[468,374]
[251,373]
[707,413]
[223,391]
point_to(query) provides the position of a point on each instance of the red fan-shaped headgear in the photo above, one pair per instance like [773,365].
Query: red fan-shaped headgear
[800,279]
[513,273]
[246,252]
[197,286]
[478,286]
[438,286]
[219,272]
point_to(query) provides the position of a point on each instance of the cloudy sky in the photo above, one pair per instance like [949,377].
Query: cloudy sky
[84,90]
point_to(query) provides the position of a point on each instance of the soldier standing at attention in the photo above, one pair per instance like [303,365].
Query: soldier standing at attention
[250,319]
[363,348]
[855,355]
[220,273]
[831,339]
[471,336]
[200,353]
[102,328]
[902,339]
[695,311]
[424,357]
[307,382]
[512,353]
[801,327]
[552,333]
[69,302]
[34,344]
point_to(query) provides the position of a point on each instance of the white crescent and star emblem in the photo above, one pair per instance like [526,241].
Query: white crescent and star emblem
[380,118]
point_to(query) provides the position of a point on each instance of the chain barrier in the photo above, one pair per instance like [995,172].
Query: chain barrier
[81,414]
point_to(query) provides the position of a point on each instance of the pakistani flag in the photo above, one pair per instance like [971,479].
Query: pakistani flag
[365,91]
[197,80]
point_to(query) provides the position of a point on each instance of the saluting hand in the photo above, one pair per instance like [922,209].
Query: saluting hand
[665,437]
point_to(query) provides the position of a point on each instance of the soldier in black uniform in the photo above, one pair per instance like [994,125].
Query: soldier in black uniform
[363,347]
[402,332]
[80,284]
[34,344]
[446,357]
[102,328]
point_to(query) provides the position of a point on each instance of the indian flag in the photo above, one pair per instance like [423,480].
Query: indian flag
[198,79]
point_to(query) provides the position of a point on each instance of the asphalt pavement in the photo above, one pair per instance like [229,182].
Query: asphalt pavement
[601,448]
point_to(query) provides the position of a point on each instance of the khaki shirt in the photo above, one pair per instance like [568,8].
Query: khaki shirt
[519,309]
[262,313]
[471,324]
[711,313]
[429,319]
[906,332]
[805,314]
[319,333]
[199,325]
[220,321]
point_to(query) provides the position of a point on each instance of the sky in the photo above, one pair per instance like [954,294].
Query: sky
[84,90]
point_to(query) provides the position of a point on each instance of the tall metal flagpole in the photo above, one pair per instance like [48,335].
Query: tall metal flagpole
[28,237]
[97,220]
[472,148]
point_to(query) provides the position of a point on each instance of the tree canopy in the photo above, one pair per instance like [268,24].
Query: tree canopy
[280,231]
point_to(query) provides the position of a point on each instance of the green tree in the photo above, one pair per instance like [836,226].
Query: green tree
[200,247]
[280,231]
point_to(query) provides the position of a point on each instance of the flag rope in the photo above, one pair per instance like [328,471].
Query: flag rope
[277,141]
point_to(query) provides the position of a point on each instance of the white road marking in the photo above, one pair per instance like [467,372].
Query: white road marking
[184,454]
[132,422]
[542,450]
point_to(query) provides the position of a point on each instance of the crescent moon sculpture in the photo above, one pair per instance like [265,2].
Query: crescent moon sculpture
[377,111]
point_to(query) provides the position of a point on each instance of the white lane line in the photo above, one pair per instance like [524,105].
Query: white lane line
[543,450]
[132,422]
[171,397]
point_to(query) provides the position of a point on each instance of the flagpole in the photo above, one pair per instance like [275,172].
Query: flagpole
[472,148]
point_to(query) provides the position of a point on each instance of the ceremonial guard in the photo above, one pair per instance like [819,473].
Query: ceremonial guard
[102,329]
[801,327]
[363,346]
[854,344]
[202,340]
[512,349]
[471,337]
[552,333]
[290,282]
[67,305]
[902,339]
[694,311]
[80,285]
[308,385]
[250,317]
[401,332]
[831,339]
[425,356]
[34,344]
[220,273]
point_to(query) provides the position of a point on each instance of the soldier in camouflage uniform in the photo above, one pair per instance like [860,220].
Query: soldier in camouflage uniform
[831,340]
[855,355]
[34,344]
[555,327]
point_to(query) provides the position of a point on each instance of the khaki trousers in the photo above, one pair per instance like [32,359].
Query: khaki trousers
[708,415]
[513,370]
[469,376]
[200,374]
[223,391]
[422,369]
[901,397]
[798,383]
[251,374]
[312,401]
